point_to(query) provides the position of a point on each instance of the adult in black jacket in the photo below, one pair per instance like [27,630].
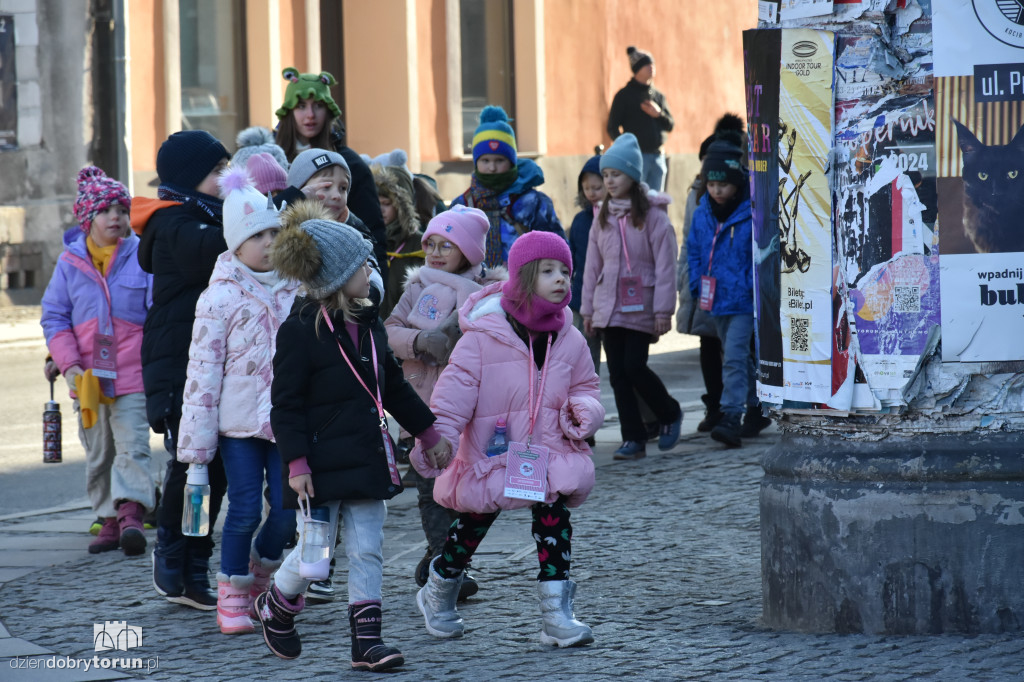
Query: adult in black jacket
[641,109]
[182,236]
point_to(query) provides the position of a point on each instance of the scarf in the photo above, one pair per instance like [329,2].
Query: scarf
[497,181]
[269,279]
[211,206]
[486,195]
[101,255]
[535,313]
[723,211]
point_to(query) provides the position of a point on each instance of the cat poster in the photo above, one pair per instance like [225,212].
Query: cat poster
[979,85]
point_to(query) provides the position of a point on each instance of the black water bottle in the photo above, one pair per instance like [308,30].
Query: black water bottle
[52,431]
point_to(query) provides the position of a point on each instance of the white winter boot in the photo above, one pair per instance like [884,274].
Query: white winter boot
[437,600]
[560,625]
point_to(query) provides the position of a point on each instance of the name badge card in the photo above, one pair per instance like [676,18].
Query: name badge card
[707,292]
[526,472]
[104,357]
[631,293]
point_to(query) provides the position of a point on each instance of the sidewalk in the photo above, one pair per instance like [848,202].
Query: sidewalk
[666,552]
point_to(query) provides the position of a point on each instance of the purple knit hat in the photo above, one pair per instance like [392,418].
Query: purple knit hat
[463,226]
[535,313]
[266,173]
[96,193]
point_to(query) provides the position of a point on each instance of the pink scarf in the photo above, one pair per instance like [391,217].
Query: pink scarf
[534,313]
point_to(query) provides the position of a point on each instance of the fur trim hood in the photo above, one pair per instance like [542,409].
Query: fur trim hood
[394,184]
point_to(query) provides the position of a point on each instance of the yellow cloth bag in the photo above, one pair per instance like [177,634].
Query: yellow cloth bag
[89,398]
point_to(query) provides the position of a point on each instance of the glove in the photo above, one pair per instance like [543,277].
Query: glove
[451,329]
[435,344]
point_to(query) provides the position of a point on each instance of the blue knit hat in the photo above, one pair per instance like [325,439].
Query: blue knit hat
[593,165]
[494,135]
[624,155]
[187,157]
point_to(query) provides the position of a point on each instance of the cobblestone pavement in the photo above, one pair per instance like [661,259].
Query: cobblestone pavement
[666,554]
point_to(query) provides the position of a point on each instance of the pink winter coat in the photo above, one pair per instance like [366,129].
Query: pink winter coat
[430,297]
[652,254]
[488,377]
[231,360]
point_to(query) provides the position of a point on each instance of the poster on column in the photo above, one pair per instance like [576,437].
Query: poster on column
[805,213]
[762,56]
[979,85]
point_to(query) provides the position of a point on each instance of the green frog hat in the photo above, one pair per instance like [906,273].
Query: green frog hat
[304,86]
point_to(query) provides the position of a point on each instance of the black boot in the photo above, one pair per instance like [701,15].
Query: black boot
[277,616]
[712,415]
[369,652]
[754,422]
[168,562]
[728,430]
[197,593]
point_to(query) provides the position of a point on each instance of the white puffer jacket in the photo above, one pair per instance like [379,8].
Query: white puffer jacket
[231,360]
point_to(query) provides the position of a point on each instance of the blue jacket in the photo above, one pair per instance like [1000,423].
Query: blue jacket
[579,236]
[528,208]
[732,266]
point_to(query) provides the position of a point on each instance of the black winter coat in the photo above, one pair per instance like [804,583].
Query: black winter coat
[179,246]
[319,410]
[627,114]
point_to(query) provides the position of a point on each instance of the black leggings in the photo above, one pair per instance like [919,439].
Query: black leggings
[626,351]
[551,529]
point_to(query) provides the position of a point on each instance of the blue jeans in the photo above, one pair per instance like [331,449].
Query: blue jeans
[654,171]
[248,462]
[362,524]
[738,389]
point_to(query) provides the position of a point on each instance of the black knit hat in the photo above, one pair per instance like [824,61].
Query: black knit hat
[638,59]
[187,157]
[724,163]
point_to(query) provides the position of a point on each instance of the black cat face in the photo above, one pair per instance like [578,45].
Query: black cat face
[992,173]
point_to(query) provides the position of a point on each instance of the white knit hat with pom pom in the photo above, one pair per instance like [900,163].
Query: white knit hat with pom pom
[246,211]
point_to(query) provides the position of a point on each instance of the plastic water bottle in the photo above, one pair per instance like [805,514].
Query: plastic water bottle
[315,552]
[498,443]
[195,519]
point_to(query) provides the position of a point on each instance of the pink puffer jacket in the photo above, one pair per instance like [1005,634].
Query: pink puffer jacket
[652,255]
[488,377]
[430,297]
[230,361]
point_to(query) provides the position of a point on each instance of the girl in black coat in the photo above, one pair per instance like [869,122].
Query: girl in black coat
[334,375]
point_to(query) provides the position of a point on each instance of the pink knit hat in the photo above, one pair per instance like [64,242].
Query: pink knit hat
[96,193]
[463,226]
[534,312]
[266,173]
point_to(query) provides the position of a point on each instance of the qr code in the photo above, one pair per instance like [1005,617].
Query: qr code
[907,299]
[798,341]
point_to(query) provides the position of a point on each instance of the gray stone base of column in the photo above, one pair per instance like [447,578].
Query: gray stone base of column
[915,536]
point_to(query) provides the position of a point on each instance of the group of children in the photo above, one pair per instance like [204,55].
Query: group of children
[257,326]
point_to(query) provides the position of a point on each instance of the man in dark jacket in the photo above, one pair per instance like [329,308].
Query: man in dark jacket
[639,108]
[182,236]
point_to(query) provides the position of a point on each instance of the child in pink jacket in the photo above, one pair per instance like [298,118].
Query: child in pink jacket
[522,362]
[226,406]
[422,330]
[629,293]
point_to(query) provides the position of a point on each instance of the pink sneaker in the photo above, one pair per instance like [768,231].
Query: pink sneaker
[233,602]
[108,538]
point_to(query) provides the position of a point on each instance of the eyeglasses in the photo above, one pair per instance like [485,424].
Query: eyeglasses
[443,248]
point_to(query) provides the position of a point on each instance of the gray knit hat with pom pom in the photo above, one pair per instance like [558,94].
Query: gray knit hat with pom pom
[254,140]
[318,252]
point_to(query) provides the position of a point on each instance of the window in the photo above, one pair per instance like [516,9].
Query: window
[213,63]
[488,75]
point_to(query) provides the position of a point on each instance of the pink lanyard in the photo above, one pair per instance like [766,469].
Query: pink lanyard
[398,251]
[625,251]
[714,239]
[392,465]
[534,410]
